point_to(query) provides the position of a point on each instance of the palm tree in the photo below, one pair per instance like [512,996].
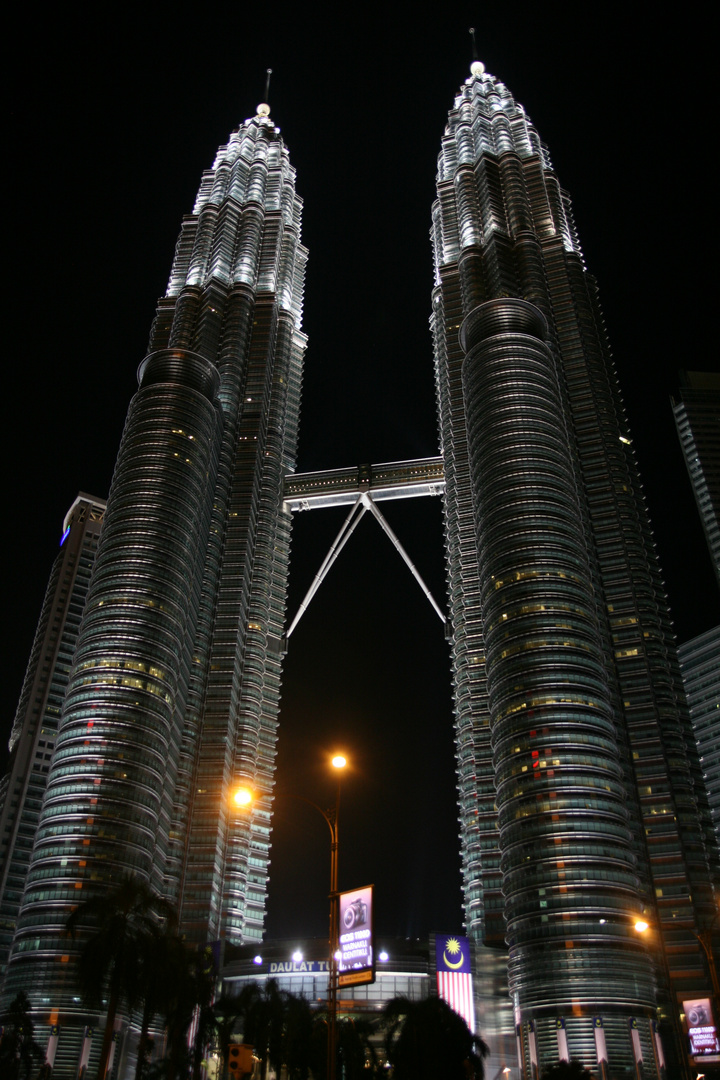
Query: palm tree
[264,1015]
[427,1040]
[354,1045]
[18,1049]
[155,973]
[120,927]
[567,1070]
[226,1014]
[277,1024]
[297,1037]
[188,987]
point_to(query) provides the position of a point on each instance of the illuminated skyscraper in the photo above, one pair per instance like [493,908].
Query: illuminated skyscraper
[34,731]
[581,798]
[173,696]
[580,792]
[697,419]
[700,665]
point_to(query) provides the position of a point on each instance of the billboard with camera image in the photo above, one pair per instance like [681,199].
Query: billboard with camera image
[356,961]
[701,1027]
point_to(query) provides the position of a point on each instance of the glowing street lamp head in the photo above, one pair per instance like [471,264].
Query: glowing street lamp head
[339,761]
[641,926]
[243,796]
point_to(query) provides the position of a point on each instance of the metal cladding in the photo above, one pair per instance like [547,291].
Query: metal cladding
[34,732]
[173,695]
[548,695]
[581,800]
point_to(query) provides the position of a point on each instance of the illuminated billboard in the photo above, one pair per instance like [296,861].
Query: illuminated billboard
[356,960]
[701,1027]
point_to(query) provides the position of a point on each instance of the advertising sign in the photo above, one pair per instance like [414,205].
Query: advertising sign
[356,963]
[701,1027]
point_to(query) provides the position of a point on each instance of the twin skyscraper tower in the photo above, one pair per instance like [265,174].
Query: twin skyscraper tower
[581,799]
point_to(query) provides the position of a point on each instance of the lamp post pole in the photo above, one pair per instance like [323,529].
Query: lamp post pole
[243,797]
[332,815]
[705,937]
[334,929]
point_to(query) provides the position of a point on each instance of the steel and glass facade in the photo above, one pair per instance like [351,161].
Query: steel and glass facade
[581,798]
[700,665]
[580,791]
[697,419]
[35,729]
[173,694]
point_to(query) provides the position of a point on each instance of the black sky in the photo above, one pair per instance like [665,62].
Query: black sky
[112,116]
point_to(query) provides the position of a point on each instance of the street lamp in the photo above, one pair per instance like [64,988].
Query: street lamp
[704,938]
[338,762]
[243,796]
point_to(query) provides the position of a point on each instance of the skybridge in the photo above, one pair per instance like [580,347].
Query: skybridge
[361,487]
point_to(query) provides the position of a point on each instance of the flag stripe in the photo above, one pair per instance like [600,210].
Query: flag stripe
[455,987]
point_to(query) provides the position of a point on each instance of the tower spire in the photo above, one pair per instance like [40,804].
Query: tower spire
[264,108]
[476,67]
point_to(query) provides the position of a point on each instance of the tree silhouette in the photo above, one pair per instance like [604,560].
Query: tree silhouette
[264,1016]
[120,927]
[18,1049]
[188,987]
[225,1016]
[427,1040]
[567,1070]
[277,1024]
[355,1047]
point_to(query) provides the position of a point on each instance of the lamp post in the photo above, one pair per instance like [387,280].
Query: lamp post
[331,815]
[642,926]
[243,797]
[705,937]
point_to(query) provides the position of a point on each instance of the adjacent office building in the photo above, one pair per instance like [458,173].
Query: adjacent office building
[697,419]
[34,732]
[700,665]
[581,797]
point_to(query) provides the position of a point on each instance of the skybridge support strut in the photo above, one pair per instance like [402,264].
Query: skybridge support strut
[398,480]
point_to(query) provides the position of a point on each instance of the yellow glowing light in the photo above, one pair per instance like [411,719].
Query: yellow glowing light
[243,796]
[641,926]
[339,761]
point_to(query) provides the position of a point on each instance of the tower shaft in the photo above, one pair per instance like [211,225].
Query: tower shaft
[173,695]
[581,799]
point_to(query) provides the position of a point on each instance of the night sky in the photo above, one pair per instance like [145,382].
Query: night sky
[111,118]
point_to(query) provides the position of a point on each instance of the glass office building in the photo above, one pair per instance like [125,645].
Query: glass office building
[696,409]
[581,799]
[34,731]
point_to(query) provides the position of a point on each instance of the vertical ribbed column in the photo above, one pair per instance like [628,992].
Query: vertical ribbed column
[110,788]
[32,740]
[569,876]
[235,295]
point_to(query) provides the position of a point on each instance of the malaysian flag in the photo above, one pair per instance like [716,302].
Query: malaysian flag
[454,975]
